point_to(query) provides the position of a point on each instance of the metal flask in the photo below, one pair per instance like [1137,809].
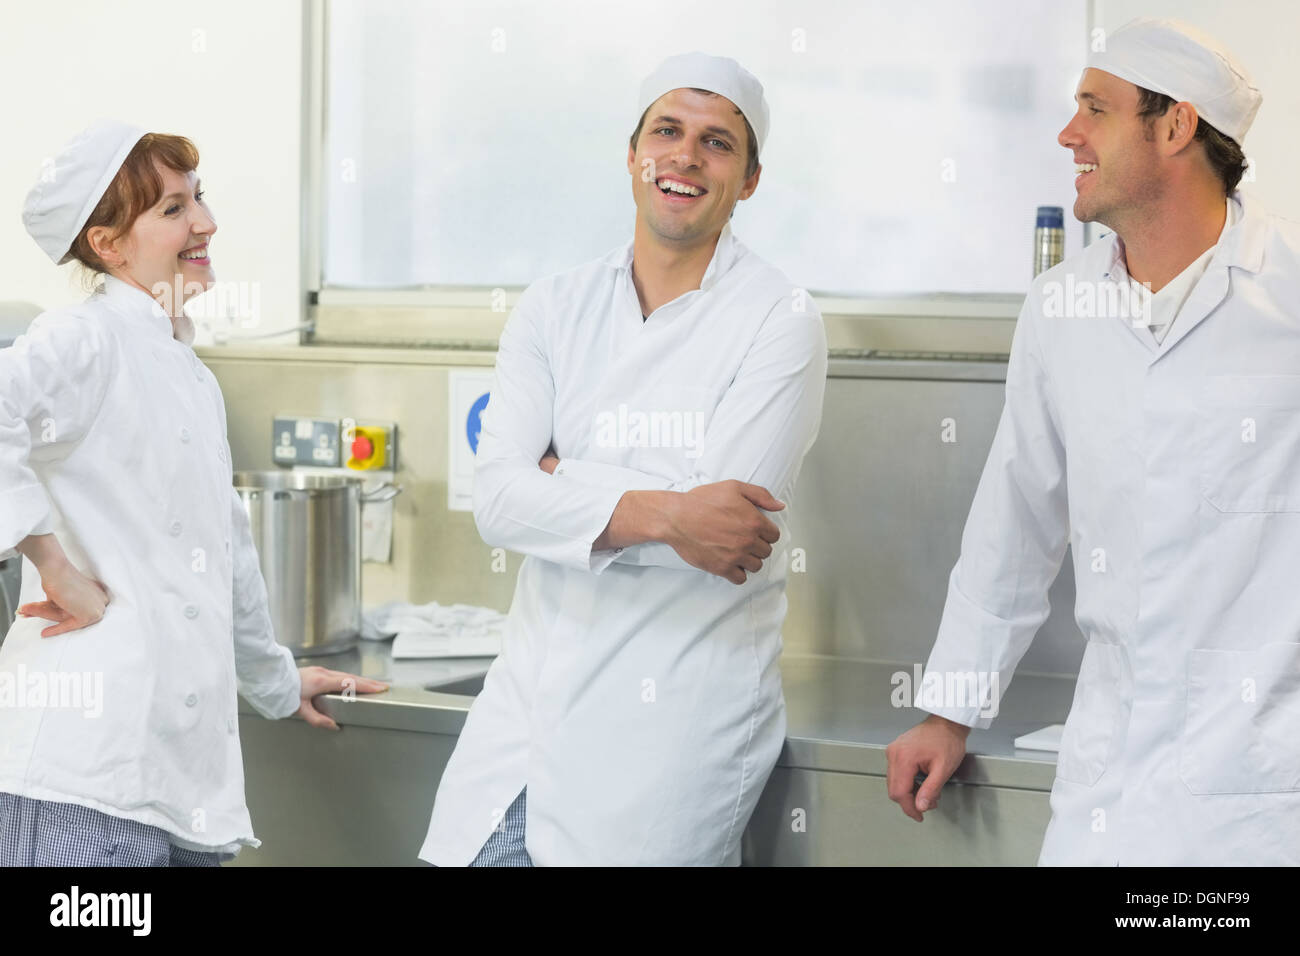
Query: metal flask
[1049,238]
[307,531]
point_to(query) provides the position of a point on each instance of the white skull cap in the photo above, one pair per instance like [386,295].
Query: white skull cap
[717,74]
[71,186]
[1176,59]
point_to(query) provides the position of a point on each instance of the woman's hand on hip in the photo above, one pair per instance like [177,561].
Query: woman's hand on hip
[72,600]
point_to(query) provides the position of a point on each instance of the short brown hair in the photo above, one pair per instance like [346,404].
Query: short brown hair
[135,189]
[1224,154]
[751,152]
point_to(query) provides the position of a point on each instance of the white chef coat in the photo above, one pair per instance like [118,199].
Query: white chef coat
[1173,471]
[637,697]
[113,437]
[1166,304]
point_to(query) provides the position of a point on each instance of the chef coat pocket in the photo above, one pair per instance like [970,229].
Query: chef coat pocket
[1250,443]
[1095,713]
[1241,730]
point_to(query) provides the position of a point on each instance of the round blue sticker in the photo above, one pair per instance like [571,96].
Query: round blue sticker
[474,423]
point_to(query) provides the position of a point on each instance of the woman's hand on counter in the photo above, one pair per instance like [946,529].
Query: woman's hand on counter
[934,747]
[319,680]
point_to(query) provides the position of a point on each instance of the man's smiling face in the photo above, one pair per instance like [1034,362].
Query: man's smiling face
[1115,154]
[688,165]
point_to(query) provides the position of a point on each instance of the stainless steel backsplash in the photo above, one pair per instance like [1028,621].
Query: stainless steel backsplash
[878,511]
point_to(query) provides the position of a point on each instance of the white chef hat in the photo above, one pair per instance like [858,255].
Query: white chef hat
[72,184]
[1173,58]
[717,74]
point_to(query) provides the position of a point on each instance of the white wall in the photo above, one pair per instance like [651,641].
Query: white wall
[226,75]
[1261,34]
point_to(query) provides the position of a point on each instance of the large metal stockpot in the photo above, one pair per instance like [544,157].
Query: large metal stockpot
[307,530]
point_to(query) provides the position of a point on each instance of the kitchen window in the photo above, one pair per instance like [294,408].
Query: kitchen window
[470,147]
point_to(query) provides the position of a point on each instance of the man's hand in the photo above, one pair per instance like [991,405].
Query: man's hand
[73,600]
[318,680]
[549,461]
[935,746]
[719,528]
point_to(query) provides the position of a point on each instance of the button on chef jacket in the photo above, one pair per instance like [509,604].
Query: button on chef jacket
[637,697]
[113,437]
[1173,472]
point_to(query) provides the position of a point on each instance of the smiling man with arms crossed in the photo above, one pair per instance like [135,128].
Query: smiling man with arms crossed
[650,408]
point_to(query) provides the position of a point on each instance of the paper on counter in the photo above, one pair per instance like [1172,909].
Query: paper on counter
[436,630]
[1049,738]
[415,644]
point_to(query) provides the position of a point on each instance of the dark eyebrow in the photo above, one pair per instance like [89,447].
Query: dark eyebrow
[717,130]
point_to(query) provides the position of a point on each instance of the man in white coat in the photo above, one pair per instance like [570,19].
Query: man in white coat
[649,410]
[1159,435]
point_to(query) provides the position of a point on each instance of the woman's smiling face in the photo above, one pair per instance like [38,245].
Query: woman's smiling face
[166,248]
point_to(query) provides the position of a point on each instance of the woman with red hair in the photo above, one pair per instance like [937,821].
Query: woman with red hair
[145,610]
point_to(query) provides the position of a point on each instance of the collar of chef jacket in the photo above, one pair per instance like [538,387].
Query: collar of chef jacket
[134,303]
[724,256]
[1166,304]
[1241,246]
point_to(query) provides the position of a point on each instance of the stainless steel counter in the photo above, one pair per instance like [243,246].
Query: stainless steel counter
[839,712]
[363,796]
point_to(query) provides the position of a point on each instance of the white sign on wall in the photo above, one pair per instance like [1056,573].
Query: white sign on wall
[467,397]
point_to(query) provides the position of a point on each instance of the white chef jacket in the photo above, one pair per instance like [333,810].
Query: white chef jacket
[113,437]
[1166,304]
[1173,471]
[637,697]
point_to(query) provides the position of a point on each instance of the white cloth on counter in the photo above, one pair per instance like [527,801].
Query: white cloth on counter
[113,438]
[435,630]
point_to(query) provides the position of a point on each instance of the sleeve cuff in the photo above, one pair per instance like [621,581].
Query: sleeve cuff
[657,554]
[966,716]
[575,551]
[26,512]
[282,700]
[617,478]
[600,560]
[965,695]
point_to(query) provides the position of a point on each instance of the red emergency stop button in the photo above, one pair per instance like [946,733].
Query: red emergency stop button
[362,448]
